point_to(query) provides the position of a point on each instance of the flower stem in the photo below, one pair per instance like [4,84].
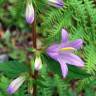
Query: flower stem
[34,85]
[34,46]
[34,34]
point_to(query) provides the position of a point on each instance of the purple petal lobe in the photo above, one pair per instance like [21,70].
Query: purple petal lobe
[63,67]
[53,48]
[10,90]
[64,36]
[52,51]
[73,60]
[76,44]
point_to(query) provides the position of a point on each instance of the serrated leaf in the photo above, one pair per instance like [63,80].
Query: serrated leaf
[13,68]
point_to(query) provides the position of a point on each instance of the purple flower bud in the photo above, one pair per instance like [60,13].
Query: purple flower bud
[56,3]
[29,13]
[15,84]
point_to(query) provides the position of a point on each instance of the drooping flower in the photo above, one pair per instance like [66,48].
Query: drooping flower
[38,63]
[15,84]
[29,13]
[56,3]
[63,52]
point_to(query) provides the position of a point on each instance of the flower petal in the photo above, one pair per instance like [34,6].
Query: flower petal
[56,3]
[76,44]
[64,36]
[53,51]
[73,60]
[63,65]
[53,48]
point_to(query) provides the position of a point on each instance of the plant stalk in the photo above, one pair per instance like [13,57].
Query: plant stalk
[34,46]
[34,34]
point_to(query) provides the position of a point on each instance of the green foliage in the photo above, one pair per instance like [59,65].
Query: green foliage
[58,87]
[78,17]
[90,58]
[3,85]
[13,68]
[12,13]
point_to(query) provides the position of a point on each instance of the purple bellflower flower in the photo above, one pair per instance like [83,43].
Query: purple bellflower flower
[63,52]
[29,13]
[15,84]
[56,3]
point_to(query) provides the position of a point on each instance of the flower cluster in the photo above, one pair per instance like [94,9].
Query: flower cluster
[62,53]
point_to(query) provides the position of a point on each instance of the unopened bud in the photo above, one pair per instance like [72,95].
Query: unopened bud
[29,13]
[56,3]
[38,63]
[15,84]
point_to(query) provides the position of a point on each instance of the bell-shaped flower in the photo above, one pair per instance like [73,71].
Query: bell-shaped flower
[38,63]
[15,84]
[56,3]
[63,52]
[29,13]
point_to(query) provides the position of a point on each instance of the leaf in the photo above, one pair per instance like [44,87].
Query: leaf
[13,68]
[18,54]
[90,92]
[42,84]
[77,73]
[52,65]
[31,49]
[4,82]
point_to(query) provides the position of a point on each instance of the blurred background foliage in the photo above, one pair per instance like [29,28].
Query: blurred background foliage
[12,13]
[78,17]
